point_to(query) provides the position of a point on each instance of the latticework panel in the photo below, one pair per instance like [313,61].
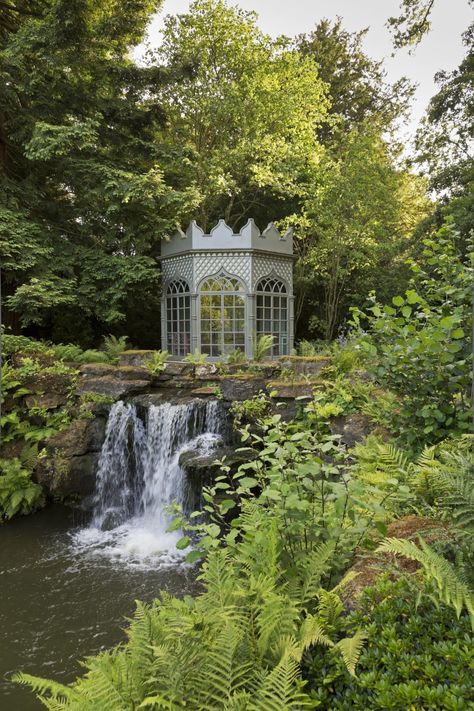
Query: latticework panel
[272,266]
[178,268]
[211,263]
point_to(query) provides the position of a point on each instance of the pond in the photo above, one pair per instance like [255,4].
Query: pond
[62,599]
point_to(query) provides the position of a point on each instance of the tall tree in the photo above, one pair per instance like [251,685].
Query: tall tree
[247,112]
[355,230]
[84,190]
[445,140]
[358,88]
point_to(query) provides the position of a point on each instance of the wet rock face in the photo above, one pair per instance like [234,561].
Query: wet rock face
[201,468]
[70,464]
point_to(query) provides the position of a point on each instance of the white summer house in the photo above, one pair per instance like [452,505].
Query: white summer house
[222,291]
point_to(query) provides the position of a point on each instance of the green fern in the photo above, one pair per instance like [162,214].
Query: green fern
[451,588]
[262,347]
[350,648]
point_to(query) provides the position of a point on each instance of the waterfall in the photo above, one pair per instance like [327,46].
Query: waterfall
[139,476]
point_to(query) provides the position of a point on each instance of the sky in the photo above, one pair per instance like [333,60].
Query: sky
[441,49]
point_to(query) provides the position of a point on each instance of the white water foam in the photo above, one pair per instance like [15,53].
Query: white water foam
[139,477]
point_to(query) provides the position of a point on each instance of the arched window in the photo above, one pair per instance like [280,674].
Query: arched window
[178,318]
[222,316]
[272,313]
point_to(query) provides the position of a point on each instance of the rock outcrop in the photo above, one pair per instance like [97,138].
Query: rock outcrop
[69,466]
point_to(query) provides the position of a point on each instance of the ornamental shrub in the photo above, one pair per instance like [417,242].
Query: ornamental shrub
[415,657]
[421,348]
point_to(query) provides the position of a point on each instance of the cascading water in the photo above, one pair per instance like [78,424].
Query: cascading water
[139,476]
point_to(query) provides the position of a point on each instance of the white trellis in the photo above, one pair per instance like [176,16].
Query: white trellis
[222,290]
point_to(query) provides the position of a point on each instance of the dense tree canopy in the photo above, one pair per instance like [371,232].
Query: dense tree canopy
[101,157]
[84,191]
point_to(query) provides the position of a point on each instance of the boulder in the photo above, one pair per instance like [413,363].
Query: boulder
[352,428]
[135,358]
[205,371]
[305,365]
[201,468]
[70,464]
[178,367]
[292,390]
[241,387]
[113,386]
[48,390]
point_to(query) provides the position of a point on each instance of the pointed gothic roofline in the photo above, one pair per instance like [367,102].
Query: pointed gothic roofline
[222,237]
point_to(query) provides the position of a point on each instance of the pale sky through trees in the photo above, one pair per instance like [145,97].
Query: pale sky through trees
[440,49]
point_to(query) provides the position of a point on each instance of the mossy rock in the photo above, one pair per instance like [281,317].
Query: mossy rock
[135,358]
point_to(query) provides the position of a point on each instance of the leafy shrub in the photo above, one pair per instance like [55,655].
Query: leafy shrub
[68,352]
[93,356]
[299,481]
[450,587]
[420,346]
[157,363]
[18,494]
[262,347]
[308,348]
[414,658]
[16,344]
[114,346]
[251,410]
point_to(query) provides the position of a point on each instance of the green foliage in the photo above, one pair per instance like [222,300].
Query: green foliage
[250,411]
[351,244]
[21,344]
[157,363]
[415,657]
[412,24]
[308,348]
[262,347]
[114,346]
[296,481]
[197,358]
[18,493]
[239,154]
[451,588]
[420,346]
[236,356]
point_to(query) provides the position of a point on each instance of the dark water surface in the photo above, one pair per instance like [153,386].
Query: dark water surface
[60,602]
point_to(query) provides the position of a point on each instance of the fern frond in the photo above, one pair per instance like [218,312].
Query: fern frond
[312,632]
[45,686]
[350,648]
[451,588]
[280,690]
[316,565]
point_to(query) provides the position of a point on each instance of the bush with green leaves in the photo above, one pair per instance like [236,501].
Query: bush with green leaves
[416,656]
[236,356]
[420,346]
[298,480]
[251,410]
[18,493]
[20,344]
[236,646]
